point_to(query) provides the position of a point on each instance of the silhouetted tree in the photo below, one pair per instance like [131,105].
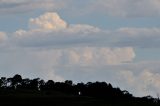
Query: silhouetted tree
[1,83]
[49,85]
[80,89]
[25,84]
[4,82]
[41,84]
[68,82]
[69,87]
[16,80]
[34,84]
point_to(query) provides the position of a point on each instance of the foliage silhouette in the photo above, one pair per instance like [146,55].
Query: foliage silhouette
[93,91]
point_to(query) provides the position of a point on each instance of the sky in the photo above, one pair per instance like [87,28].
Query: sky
[116,41]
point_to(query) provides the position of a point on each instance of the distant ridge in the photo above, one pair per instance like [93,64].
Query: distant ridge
[19,91]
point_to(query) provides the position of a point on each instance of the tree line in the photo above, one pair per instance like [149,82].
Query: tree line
[91,89]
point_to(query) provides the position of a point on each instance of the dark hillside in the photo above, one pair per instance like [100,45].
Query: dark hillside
[37,92]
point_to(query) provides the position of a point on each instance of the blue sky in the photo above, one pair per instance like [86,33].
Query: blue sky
[117,41]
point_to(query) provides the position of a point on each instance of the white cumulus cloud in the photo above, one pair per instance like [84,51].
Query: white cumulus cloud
[88,56]
[145,83]
[48,21]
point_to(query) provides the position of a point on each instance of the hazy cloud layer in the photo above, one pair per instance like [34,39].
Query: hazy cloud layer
[122,8]
[128,8]
[21,6]
[3,37]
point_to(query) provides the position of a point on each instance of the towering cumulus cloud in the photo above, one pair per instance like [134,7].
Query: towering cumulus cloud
[48,21]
